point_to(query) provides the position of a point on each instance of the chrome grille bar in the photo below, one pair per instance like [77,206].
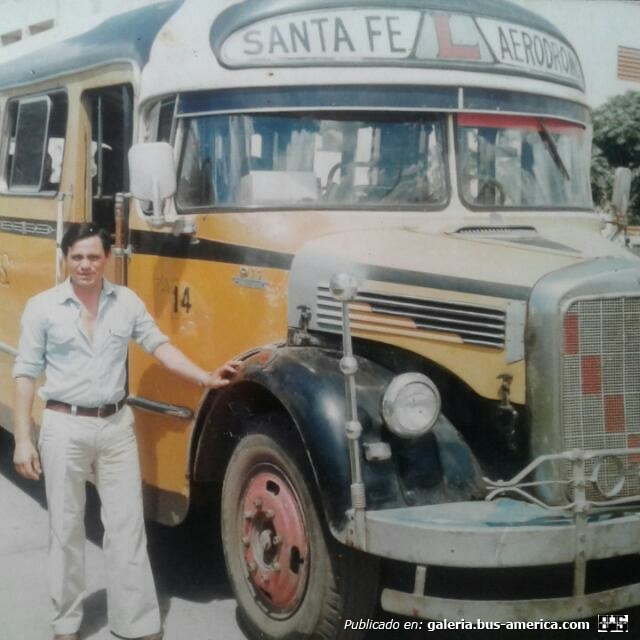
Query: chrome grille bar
[379,311]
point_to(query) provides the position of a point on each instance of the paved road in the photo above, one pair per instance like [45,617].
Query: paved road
[194,593]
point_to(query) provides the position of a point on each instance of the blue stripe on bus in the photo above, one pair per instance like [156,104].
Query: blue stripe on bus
[369,97]
[515,102]
[375,97]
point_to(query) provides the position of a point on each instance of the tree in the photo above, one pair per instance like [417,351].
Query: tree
[616,143]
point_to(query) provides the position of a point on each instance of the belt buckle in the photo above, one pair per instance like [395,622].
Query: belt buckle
[102,409]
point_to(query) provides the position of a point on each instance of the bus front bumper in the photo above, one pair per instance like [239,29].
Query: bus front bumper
[504,533]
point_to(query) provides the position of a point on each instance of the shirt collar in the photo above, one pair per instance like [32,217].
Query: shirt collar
[108,288]
[65,290]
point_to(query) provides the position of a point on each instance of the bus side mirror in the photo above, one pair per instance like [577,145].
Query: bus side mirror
[621,193]
[152,175]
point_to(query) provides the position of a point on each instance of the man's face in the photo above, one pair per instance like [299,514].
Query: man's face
[86,262]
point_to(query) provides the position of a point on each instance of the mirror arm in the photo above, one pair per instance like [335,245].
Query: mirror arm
[157,218]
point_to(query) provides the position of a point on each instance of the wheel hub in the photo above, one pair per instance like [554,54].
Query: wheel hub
[275,541]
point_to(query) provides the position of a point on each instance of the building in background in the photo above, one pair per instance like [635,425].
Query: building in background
[24,23]
[606,36]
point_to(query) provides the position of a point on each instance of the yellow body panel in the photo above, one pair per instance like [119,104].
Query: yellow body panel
[224,319]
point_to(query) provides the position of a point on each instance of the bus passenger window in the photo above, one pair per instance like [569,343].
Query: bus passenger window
[110,109]
[33,160]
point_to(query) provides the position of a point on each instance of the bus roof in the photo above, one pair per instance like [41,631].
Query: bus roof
[194,45]
[272,43]
[125,37]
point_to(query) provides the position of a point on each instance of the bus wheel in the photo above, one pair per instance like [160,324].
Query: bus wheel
[289,579]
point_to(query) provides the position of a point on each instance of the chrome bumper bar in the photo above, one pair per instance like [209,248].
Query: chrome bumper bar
[501,533]
[570,608]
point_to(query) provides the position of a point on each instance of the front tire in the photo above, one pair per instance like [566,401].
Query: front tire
[290,579]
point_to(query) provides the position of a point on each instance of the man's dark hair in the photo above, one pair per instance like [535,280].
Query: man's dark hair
[85,230]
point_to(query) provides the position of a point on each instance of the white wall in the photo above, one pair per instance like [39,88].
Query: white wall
[596,28]
[69,15]
[21,13]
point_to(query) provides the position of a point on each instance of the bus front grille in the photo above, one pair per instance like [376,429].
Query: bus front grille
[601,387]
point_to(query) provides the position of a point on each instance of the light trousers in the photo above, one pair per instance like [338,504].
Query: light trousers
[71,448]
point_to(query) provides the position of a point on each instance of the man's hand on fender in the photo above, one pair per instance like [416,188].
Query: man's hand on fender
[221,376]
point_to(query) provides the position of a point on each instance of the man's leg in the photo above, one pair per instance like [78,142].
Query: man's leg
[66,452]
[132,601]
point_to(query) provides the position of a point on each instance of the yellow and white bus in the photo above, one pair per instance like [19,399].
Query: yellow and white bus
[383,208]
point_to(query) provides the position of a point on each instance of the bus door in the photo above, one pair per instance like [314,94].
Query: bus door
[110,110]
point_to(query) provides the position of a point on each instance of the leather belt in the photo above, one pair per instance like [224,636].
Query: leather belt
[103,411]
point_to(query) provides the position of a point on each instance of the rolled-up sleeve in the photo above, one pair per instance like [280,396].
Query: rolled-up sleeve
[145,330]
[30,360]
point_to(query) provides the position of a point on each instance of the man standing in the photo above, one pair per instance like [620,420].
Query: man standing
[78,334]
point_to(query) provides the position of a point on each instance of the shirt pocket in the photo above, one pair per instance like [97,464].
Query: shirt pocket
[60,340]
[119,336]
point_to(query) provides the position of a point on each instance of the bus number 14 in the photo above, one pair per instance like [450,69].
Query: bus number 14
[183,301]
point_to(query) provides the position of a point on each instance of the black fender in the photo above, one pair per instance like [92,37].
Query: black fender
[307,384]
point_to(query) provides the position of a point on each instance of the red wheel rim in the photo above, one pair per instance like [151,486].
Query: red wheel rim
[274,542]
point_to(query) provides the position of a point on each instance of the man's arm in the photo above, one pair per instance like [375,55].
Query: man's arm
[174,360]
[25,457]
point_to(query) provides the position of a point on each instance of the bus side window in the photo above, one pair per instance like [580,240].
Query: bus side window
[159,121]
[110,109]
[200,182]
[165,121]
[35,149]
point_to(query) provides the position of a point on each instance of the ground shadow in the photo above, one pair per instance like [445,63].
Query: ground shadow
[95,613]
[187,559]
[34,489]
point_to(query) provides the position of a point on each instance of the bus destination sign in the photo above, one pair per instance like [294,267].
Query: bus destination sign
[344,36]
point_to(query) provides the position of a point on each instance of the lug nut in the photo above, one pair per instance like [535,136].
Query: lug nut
[276,566]
[276,540]
[258,503]
[249,515]
[252,566]
[245,541]
[269,514]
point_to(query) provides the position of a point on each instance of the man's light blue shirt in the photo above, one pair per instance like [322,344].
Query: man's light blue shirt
[77,370]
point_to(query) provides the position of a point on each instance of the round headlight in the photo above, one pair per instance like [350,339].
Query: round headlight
[411,405]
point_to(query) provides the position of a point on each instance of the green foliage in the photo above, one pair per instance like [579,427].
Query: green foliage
[616,143]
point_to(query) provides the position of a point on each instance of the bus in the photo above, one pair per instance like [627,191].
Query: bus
[382,208]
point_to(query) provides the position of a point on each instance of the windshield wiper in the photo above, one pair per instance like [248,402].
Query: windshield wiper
[552,148]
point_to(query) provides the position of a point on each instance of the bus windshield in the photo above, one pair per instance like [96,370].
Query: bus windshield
[310,160]
[522,162]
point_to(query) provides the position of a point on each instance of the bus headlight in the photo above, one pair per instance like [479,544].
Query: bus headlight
[411,405]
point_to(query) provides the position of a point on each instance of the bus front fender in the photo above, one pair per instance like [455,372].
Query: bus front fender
[298,394]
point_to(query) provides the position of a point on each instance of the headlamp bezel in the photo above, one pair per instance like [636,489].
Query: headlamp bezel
[390,398]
